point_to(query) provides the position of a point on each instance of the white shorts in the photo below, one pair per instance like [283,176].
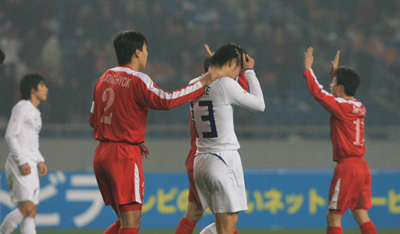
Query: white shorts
[22,188]
[219,181]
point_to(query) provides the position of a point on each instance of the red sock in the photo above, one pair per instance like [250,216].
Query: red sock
[334,230]
[185,226]
[128,231]
[368,228]
[114,228]
[236,232]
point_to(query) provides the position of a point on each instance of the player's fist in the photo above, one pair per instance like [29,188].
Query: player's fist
[248,62]
[43,169]
[308,58]
[210,77]
[145,151]
[25,169]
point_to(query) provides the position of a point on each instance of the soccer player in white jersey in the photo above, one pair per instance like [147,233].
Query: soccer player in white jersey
[25,162]
[218,171]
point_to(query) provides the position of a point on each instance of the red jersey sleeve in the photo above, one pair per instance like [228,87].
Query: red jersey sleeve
[243,81]
[149,95]
[92,118]
[327,100]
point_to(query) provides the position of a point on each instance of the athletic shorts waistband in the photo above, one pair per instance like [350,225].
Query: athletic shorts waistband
[350,159]
[122,142]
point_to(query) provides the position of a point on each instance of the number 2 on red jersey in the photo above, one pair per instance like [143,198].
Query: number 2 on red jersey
[110,100]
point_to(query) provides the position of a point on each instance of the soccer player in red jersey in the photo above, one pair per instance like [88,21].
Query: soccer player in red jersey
[121,99]
[351,184]
[195,210]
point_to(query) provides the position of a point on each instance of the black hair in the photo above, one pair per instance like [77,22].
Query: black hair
[226,53]
[2,57]
[349,79]
[29,81]
[207,64]
[126,43]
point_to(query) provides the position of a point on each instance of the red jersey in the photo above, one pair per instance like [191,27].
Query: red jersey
[122,98]
[347,120]
[190,158]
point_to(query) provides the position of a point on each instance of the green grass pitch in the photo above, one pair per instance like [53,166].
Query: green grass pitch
[244,231]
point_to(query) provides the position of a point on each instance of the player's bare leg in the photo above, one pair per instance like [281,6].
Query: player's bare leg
[25,215]
[334,223]
[188,222]
[226,222]
[194,212]
[28,210]
[130,221]
[28,225]
[362,218]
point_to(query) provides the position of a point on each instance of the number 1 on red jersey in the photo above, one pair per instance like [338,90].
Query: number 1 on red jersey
[358,140]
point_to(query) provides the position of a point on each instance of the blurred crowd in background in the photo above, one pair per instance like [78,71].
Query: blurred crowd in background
[70,43]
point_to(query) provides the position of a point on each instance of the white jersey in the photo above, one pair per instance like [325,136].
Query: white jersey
[212,113]
[22,134]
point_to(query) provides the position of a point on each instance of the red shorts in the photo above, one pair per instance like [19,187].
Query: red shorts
[350,186]
[193,195]
[119,173]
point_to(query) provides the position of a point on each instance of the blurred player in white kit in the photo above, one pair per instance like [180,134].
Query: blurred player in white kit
[25,162]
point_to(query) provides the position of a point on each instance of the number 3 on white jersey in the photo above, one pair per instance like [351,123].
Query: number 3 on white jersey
[107,119]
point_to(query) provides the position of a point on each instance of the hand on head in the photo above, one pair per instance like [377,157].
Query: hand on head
[248,62]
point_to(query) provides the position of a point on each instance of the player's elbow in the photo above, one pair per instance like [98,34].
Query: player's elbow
[261,107]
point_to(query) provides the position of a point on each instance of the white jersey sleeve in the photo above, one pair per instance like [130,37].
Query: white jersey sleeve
[14,128]
[234,94]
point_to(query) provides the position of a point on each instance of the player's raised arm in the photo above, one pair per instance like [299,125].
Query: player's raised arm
[326,99]
[335,63]
[234,94]
[308,58]
[208,50]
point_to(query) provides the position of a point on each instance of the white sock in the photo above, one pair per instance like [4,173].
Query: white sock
[210,229]
[11,221]
[28,226]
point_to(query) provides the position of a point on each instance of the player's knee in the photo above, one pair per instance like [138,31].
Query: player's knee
[194,216]
[360,216]
[28,209]
[138,222]
[33,212]
[330,218]
[333,219]
[131,219]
